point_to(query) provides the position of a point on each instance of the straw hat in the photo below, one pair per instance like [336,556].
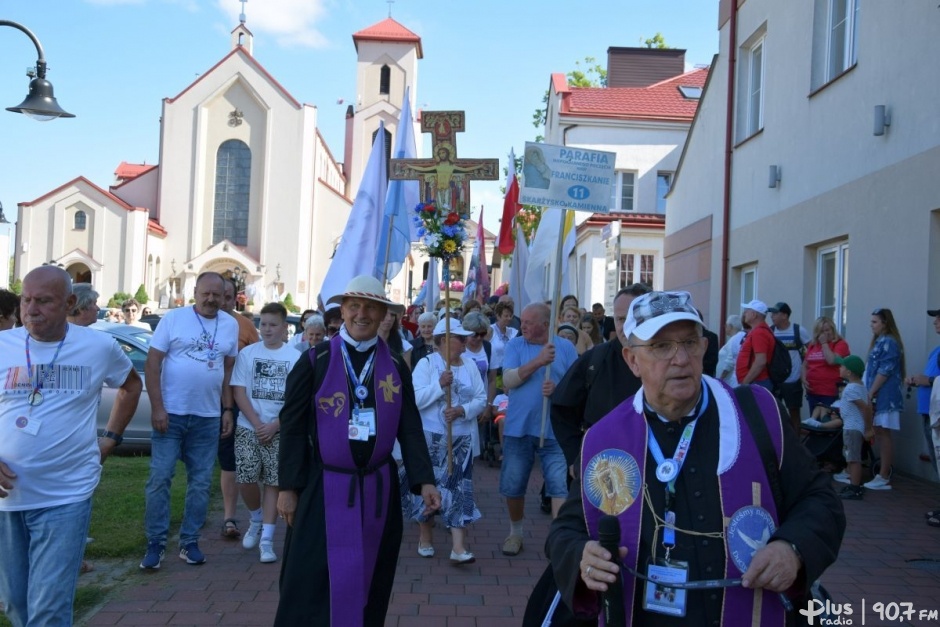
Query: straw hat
[369,288]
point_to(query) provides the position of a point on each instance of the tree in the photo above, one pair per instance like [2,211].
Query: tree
[591,75]
[141,295]
[656,41]
[16,287]
[288,303]
[118,298]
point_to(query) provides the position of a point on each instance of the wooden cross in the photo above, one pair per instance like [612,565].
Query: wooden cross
[445,178]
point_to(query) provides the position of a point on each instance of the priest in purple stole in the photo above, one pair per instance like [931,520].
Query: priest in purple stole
[679,469]
[346,403]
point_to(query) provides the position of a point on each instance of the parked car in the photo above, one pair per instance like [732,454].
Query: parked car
[293,323]
[135,342]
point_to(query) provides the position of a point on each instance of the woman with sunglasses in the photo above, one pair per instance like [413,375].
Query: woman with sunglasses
[131,310]
[883,375]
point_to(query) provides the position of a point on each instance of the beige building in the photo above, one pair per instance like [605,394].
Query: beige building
[245,184]
[832,201]
[642,116]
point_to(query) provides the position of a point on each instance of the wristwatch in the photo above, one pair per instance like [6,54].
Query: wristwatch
[225,409]
[113,436]
[799,555]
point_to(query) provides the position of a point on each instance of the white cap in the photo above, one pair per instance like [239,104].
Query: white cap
[756,305]
[455,328]
[651,312]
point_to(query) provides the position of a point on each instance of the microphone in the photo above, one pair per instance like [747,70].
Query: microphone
[608,534]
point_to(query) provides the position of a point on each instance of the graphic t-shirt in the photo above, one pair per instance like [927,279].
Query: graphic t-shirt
[480,359]
[788,337]
[193,368]
[263,371]
[53,447]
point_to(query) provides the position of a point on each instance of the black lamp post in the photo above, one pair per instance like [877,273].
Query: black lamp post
[40,103]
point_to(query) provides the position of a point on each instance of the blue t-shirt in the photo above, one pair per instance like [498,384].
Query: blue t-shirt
[932,370]
[524,415]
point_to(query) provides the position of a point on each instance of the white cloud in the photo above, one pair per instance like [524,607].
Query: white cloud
[291,22]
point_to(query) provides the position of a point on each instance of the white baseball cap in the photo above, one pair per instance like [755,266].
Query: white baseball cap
[757,305]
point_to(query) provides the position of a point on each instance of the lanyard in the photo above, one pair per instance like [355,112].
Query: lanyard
[667,470]
[214,332]
[35,397]
[358,382]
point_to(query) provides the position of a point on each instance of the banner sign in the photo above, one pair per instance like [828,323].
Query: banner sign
[567,178]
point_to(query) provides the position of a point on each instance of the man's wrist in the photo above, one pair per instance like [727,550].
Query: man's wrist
[228,409]
[111,435]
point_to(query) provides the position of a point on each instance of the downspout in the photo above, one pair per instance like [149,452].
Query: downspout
[729,148]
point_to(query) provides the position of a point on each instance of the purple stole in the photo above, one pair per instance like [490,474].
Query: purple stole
[613,456]
[355,499]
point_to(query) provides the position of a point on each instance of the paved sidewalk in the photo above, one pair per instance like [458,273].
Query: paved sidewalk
[885,531]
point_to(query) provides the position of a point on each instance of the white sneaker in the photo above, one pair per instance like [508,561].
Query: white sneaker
[251,537]
[267,552]
[425,551]
[843,477]
[879,483]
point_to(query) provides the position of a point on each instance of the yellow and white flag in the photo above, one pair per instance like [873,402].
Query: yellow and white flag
[541,274]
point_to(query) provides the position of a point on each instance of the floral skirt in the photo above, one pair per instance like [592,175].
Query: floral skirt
[458,508]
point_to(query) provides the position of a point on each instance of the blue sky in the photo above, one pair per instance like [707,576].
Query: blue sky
[113,61]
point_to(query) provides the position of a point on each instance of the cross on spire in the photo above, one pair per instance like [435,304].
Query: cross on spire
[445,178]
[241,16]
[390,3]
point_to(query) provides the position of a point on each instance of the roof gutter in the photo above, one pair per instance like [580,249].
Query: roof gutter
[729,148]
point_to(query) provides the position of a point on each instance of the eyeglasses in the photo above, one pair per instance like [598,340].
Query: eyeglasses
[877,312]
[481,334]
[667,349]
[130,310]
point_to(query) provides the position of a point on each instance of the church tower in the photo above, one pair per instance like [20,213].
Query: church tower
[387,63]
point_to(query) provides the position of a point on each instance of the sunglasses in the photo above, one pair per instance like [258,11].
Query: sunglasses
[480,334]
[332,330]
[130,310]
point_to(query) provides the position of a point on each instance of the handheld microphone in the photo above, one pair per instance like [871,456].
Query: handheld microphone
[608,534]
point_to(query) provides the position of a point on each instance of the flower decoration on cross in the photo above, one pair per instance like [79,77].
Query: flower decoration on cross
[442,232]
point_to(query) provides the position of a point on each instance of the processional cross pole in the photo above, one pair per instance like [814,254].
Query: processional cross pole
[445,180]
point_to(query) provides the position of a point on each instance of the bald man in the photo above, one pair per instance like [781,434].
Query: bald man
[49,466]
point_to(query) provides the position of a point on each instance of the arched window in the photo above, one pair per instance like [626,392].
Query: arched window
[81,220]
[388,148]
[385,80]
[232,187]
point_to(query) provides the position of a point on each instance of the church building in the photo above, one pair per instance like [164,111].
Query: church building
[245,184]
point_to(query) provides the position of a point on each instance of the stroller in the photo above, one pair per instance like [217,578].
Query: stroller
[490,449]
[825,443]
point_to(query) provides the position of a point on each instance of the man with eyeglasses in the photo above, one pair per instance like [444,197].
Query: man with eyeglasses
[131,309]
[669,467]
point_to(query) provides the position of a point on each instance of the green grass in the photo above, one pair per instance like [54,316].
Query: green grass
[117,518]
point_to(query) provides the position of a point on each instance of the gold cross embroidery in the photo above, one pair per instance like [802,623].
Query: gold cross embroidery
[389,389]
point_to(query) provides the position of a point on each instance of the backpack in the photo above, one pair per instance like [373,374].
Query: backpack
[797,340]
[779,366]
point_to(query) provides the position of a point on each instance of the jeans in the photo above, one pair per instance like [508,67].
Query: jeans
[41,553]
[518,458]
[195,440]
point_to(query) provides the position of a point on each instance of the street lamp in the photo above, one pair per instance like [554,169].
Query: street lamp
[40,103]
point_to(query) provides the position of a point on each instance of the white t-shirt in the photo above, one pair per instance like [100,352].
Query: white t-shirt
[139,325]
[851,415]
[193,369]
[498,345]
[53,447]
[263,371]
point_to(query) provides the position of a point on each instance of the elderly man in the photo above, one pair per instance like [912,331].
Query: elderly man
[686,473]
[187,373]
[574,406]
[345,404]
[50,461]
[85,310]
[758,347]
[524,367]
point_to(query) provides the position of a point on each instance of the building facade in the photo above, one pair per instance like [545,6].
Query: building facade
[829,198]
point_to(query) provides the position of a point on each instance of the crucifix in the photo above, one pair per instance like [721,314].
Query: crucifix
[445,178]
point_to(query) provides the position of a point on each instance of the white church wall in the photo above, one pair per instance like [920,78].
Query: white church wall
[140,191]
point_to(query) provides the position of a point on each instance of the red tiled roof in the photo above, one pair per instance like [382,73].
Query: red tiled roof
[661,101]
[387,30]
[131,170]
[154,227]
[76,181]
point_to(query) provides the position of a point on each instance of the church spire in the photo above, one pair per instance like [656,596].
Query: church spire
[241,36]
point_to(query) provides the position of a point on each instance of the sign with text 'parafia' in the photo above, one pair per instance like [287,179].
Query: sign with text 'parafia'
[567,178]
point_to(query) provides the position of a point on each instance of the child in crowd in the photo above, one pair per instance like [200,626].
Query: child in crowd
[258,382]
[857,423]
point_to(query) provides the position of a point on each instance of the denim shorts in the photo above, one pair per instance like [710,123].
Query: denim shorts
[852,445]
[518,458]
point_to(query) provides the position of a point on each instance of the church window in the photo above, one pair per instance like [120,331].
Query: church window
[388,148]
[81,220]
[232,187]
[385,80]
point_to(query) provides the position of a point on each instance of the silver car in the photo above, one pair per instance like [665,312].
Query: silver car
[135,342]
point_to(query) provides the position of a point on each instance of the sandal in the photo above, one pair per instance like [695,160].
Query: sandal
[933,521]
[230,529]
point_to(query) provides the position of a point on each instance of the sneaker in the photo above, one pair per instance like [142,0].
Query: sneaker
[852,493]
[192,555]
[512,545]
[842,477]
[267,552]
[425,551]
[252,536]
[879,483]
[153,557]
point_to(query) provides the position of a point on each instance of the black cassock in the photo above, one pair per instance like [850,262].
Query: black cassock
[304,583]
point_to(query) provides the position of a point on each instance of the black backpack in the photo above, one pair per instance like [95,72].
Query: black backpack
[779,366]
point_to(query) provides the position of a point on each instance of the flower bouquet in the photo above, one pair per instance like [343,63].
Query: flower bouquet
[441,230]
